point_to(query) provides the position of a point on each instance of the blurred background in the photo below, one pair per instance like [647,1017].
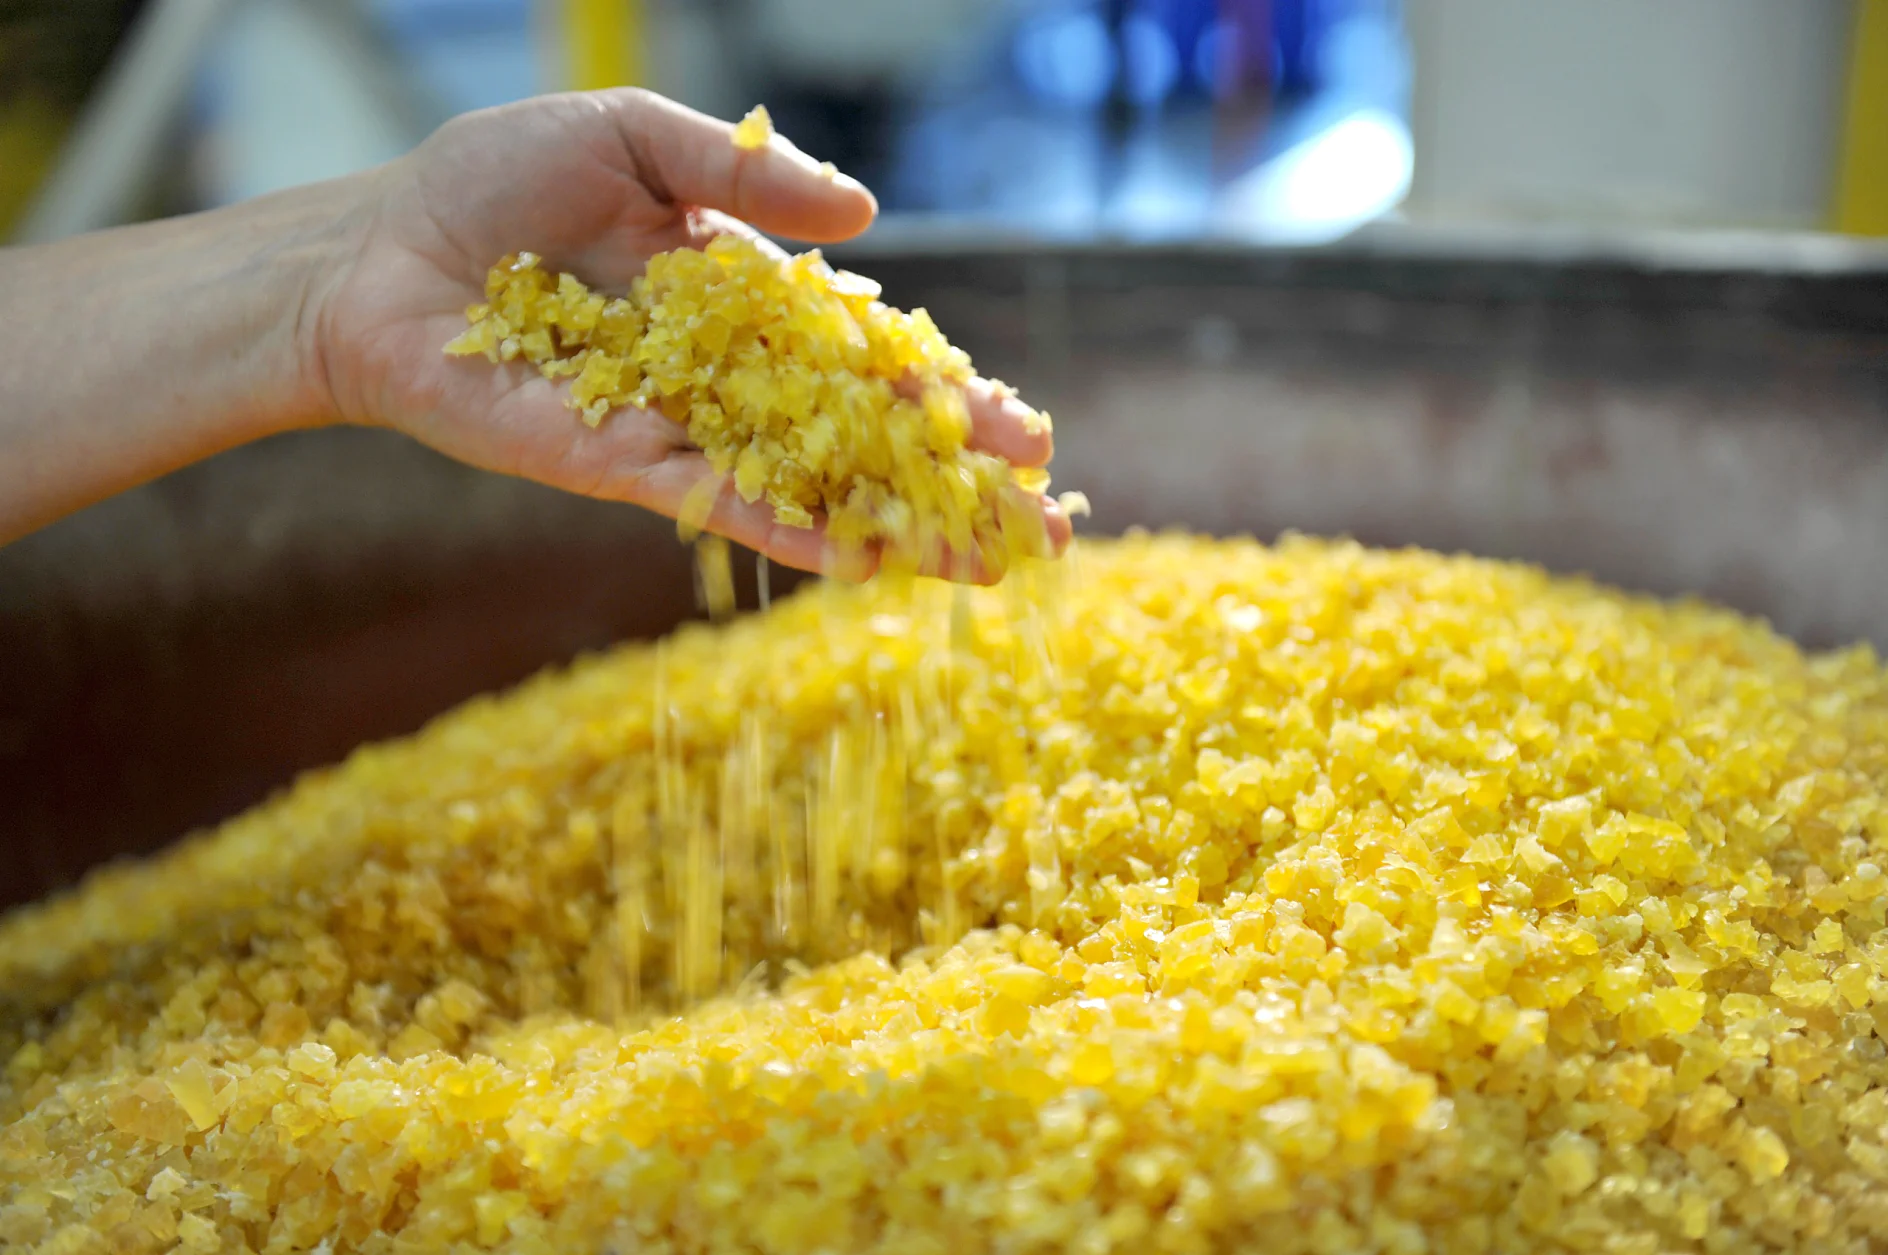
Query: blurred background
[1597,284]
[1282,121]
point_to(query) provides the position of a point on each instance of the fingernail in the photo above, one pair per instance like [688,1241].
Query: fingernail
[823,169]
[841,179]
[845,182]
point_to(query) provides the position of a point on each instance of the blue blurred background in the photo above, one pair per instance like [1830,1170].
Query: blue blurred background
[1275,121]
[1133,117]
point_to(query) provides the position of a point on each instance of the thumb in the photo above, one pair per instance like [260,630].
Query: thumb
[691,159]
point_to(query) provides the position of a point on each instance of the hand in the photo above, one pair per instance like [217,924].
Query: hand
[596,184]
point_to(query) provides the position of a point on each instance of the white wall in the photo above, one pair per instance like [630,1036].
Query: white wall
[1657,112]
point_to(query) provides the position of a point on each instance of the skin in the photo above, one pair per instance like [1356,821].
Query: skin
[141,350]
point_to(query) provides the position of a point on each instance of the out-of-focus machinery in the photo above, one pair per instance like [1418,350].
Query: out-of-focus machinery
[1279,120]
[52,55]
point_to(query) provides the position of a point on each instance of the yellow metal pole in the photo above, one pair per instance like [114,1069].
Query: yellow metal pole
[1861,204]
[603,42]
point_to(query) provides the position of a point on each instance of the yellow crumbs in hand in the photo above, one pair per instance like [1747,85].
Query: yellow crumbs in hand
[794,379]
[1294,899]
[754,130]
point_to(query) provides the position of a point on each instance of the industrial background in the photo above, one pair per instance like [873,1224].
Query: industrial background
[1276,120]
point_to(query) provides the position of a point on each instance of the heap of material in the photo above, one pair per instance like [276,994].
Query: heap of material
[1318,899]
[794,379]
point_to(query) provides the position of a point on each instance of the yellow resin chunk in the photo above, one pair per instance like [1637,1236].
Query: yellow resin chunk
[1146,925]
[797,382]
[754,130]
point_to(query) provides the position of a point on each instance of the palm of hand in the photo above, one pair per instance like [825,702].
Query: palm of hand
[596,184]
[554,179]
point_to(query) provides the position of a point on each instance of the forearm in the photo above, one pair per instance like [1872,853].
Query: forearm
[133,352]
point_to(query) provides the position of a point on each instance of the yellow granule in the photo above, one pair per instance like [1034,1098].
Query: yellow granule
[1319,899]
[754,130]
[793,378]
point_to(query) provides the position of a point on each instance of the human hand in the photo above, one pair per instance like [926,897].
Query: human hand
[595,184]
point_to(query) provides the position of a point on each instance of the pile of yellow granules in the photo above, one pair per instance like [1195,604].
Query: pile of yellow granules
[1318,899]
[794,379]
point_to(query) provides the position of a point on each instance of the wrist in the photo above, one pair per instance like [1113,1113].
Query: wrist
[299,247]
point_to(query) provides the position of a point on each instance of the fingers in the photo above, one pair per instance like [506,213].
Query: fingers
[1003,425]
[1057,525]
[1033,525]
[670,488]
[690,158]
[1000,423]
